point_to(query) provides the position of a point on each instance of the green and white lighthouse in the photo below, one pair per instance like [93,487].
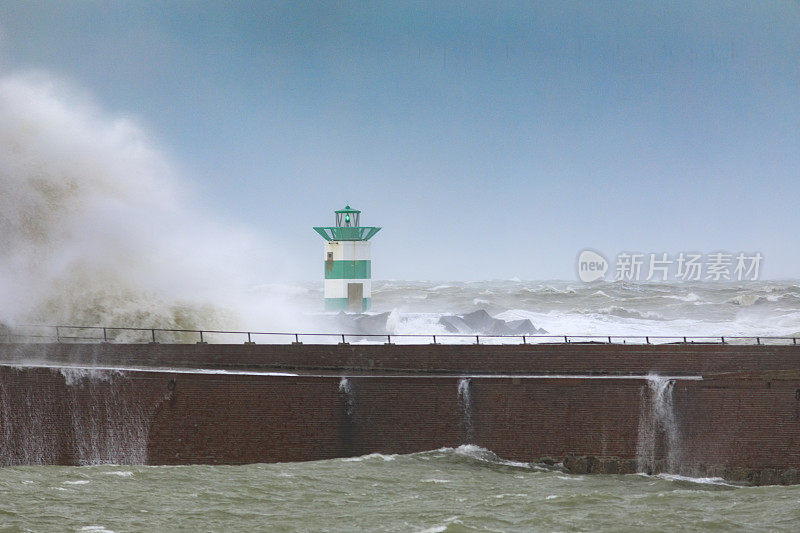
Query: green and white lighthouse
[348,268]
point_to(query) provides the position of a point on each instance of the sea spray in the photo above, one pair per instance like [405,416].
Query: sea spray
[658,436]
[96,228]
[465,401]
[348,396]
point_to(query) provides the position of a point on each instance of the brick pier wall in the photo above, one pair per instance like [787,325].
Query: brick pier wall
[672,359]
[741,422]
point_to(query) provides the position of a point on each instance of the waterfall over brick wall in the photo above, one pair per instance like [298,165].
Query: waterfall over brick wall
[465,401]
[109,421]
[658,442]
[346,390]
[71,415]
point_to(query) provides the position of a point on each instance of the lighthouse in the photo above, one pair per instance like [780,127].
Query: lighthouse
[348,268]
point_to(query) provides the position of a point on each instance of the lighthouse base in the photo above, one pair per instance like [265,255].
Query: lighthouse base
[344,304]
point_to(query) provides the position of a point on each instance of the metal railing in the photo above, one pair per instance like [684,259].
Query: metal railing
[47,333]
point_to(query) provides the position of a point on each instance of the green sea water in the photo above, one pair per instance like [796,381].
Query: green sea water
[464,489]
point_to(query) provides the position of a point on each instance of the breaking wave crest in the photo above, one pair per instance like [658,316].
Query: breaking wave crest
[95,226]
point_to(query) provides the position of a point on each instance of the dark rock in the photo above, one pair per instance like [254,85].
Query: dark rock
[522,327]
[606,465]
[626,466]
[576,465]
[769,476]
[358,324]
[454,324]
[475,323]
[480,322]
[790,476]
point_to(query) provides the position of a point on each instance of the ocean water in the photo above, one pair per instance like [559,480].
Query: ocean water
[463,489]
[572,308]
[759,308]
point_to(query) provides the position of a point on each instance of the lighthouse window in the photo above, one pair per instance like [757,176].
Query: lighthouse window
[330,256]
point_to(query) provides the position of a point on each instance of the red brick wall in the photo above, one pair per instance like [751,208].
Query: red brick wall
[751,422]
[202,418]
[726,422]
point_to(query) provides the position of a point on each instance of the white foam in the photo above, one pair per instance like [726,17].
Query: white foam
[441,528]
[482,454]
[86,371]
[120,473]
[369,457]
[698,480]
[77,375]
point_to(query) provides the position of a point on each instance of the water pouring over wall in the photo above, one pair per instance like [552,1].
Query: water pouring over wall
[114,428]
[28,421]
[107,419]
[658,443]
[348,396]
[465,401]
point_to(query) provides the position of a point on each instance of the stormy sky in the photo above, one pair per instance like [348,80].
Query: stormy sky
[489,140]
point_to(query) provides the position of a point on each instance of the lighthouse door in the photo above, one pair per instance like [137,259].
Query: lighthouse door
[355,296]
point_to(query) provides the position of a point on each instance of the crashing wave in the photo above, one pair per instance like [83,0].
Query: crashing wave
[94,225]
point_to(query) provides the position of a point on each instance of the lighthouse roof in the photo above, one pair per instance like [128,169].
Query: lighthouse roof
[338,233]
[347,209]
